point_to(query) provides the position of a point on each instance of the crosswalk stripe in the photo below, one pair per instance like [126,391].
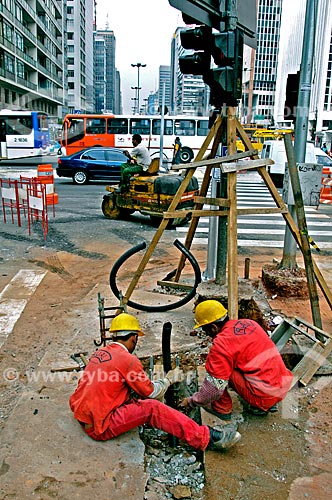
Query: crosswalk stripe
[256,195]
[14,297]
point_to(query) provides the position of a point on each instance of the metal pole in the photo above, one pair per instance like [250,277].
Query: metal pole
[210,270]
[166,352]
[162,126]
[302,116]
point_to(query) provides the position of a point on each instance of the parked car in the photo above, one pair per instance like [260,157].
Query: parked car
[322,158]
[92,163]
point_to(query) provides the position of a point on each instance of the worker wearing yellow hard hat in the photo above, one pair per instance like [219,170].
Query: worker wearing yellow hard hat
[242,357]
[103,402]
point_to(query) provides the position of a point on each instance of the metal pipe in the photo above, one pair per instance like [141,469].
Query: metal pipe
[167,363]
[246,268]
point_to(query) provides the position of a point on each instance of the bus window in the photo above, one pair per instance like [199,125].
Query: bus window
[74,130]
[202,128]
[168,127]
[184,127]
[117,126]
[19,126]
[140,126]
[95,126]
[42,122]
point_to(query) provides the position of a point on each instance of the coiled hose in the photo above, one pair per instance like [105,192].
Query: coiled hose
[162,308]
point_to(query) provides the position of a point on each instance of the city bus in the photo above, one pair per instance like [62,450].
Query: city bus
[23,133]
[81,131]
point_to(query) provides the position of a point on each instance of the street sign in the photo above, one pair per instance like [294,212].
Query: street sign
[213,13]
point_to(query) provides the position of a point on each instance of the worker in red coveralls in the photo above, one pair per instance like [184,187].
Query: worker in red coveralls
[242,357]
[105,408]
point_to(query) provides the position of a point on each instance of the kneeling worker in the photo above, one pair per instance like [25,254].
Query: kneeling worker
[242,357]
[103,405]
[138,161]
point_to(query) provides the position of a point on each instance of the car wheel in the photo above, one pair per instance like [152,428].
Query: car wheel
[186,155]
[80,177]
[110,208]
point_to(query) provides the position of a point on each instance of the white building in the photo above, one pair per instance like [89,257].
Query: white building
[280,33]
[80,55]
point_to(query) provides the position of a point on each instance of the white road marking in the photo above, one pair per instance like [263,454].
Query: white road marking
[14,297]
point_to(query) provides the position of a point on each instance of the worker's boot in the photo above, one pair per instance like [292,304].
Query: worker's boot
[224,438]
[226,417]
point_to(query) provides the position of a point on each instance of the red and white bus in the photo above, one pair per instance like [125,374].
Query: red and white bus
[81,131]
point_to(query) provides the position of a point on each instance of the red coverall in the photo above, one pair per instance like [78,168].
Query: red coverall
[244,355]
[103,405]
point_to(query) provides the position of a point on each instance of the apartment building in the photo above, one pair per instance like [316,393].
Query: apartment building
[31,55]
[79,55]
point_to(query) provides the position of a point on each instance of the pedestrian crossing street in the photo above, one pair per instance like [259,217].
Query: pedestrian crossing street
[264,230]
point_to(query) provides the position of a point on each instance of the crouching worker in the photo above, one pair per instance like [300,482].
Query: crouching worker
[139,161]
[105,408]
[242,357]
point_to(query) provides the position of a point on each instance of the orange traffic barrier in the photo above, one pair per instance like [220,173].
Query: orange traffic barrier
[326,189]
[46,176]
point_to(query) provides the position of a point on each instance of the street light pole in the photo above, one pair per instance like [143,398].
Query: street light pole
[138,66]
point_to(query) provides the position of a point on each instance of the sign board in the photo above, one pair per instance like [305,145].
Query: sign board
[310,175]
[210,12]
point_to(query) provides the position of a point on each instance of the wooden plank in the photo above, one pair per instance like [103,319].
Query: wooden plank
[313,327]
[195,213]
[217,202]
[311,361]
[245,165]
[232,251]
[213,162]
[176,286]
[313,365]
[256,211]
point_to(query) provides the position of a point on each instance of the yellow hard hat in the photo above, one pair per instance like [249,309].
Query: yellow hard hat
[209,311]
[123,324]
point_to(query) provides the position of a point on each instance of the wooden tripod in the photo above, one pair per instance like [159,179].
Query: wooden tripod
[228,165]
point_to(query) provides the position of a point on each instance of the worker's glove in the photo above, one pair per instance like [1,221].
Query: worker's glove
[175,375]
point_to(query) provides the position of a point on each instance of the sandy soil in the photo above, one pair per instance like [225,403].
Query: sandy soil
[278,458]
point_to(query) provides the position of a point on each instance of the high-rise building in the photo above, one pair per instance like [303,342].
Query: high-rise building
[272,74]
[79,52]
[188,93]
[31,55]
[107,67]
[99,73]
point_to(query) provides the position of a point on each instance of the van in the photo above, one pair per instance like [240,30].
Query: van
[276,151]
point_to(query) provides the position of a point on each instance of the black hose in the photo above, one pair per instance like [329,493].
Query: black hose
[166,307]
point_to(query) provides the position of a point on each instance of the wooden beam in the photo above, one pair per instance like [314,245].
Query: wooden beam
[215,161]
[217,202]
[245,165]
[257,211]
[194,213]
[176,286]
[232,250]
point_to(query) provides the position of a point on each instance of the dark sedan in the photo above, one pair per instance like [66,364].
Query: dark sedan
[92,163]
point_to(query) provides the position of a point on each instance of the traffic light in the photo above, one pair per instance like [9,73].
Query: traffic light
[227,53]
[226,49]
[198,39]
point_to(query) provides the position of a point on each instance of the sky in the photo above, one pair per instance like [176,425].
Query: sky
[143,30]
